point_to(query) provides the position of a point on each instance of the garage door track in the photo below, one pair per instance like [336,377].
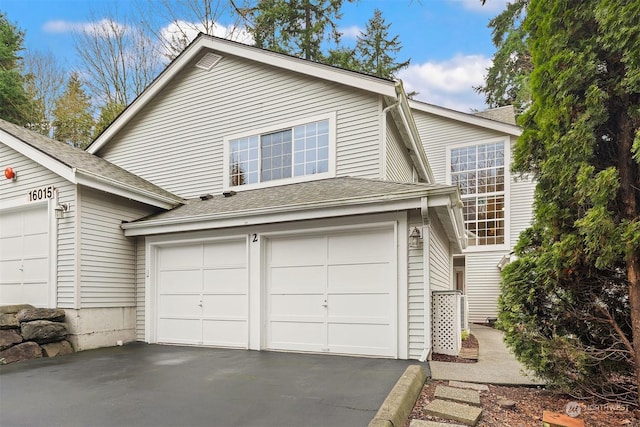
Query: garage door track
[154,385]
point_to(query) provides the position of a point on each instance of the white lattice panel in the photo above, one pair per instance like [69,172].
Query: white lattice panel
[447,337]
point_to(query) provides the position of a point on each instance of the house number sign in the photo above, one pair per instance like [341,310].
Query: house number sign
[41,193]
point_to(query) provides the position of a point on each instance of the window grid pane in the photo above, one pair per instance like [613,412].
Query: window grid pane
[243,165]
[311,148]
[480,174]
[276,155]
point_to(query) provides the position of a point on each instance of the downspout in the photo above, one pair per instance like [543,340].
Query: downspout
[426,267]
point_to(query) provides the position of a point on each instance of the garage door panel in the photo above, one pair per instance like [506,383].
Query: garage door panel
[366,246]
[11,272]
[302,251]
[33,221]
[303,336]
[227,253]
[179,306]
[225,280]
[11,247]
[225,305]
[33,292]
[179,281]
[227,333]
[297,279]
[36,270]
[364,339]
[179,331]
[12,224]
[10,291]
[36,245]
[297,305]
[359,277]
[180,256]
[360,305]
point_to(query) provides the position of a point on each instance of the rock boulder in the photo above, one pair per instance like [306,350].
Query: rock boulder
[59,348]
[24,351]
[31,314]
[43,331]
[13,309]
[9,338]
[9,321]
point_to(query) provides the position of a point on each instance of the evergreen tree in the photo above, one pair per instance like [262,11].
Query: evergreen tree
[108,114]
[73,122]
[376,51]
[14,102]
[570,304]
[507,79]
[296,27]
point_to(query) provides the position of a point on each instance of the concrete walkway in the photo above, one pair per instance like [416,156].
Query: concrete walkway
[496,364]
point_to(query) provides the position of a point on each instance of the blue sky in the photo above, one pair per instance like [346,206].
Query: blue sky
[447,40]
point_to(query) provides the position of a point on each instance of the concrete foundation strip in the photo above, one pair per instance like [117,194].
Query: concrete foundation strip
[396,408]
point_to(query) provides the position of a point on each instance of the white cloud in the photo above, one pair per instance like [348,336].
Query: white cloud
[448,83]
[100,27]
[490,6]
[351,32]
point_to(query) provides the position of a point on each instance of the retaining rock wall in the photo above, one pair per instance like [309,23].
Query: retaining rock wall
[27,332]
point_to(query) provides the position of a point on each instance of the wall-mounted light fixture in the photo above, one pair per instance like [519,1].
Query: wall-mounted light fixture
[9,173]
[61,209]
[414,238]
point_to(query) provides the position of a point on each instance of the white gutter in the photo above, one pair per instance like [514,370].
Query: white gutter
[414,136]
[119,188]
[426,267]
[383,143]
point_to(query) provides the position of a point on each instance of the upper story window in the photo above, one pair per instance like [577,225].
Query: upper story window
[293,152]
[479,171]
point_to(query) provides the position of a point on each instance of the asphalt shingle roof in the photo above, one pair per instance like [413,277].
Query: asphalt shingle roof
[83,161]
[344,190]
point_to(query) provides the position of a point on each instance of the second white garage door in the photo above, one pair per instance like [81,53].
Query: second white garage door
[202,294]
[333,293]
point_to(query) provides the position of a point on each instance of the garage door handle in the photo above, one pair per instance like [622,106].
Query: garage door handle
[324,304]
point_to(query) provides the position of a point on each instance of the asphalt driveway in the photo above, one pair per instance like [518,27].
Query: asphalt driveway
[154,385]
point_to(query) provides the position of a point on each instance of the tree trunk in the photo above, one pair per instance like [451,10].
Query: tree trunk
[629,177]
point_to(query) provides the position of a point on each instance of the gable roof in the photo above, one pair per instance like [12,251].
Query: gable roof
[322,198]
[205,42]
[472,119]
[80,167]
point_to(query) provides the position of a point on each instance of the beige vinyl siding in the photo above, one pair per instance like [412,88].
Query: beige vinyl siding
[140,287]
[483,284]
[108,265]
[416,292]
[176,141]
[32,176]
[521,204]
[440,260]
[437,133]
[399,165]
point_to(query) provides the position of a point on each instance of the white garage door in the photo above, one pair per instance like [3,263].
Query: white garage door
[24,256]
[333,293]
[202,294]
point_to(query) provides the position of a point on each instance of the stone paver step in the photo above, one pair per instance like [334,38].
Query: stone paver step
[423,423]
[470,397]
[465,414]
[472,386]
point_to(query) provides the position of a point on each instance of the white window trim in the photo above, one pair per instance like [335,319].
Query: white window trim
[507,190]
[331,117]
